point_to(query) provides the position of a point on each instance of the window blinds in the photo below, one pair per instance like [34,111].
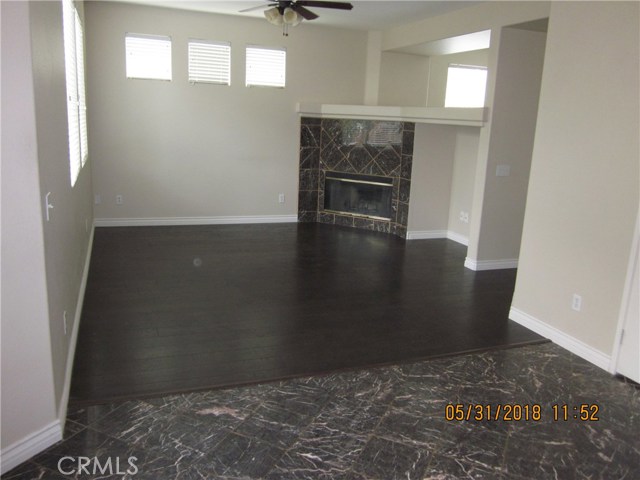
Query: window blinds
[148,56]
[82,98]
[266,66]
[209,62]
[75,85]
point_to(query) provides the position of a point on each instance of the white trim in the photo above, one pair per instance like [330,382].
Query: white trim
[500,264]
[161,221]
[64,401]
[626,297]
[34,443]
[474,117]
[568,342]
[426,234]
[431,234]
[456,237]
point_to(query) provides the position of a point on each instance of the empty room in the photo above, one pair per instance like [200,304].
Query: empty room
[320,240]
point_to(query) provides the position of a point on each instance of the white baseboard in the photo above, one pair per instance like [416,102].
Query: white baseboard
[432,234]
[456,237]
[31,445]
[574,345]
[426,234]
[168,221]
[64,401]
[500,264]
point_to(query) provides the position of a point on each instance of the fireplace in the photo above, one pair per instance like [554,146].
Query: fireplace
[362,195]
[356,173]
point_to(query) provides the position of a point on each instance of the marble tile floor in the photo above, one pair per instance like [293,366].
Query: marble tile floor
[378,424]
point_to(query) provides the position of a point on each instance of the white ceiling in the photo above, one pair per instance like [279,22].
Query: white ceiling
[366,15]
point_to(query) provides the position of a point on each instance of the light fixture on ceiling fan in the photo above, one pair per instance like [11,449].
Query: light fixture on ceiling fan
[290,12]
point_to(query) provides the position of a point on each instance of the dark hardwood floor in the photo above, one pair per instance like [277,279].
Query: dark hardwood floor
[170,309]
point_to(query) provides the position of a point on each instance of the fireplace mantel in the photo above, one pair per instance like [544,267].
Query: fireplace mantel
[473,117]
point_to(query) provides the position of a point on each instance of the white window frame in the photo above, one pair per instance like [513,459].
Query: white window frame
[266,66]
[209,61]
[156,64]
[75,87]
[467,92]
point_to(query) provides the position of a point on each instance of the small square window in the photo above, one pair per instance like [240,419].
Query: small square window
[148,56]
[466,85]
[209,62]
[266,67]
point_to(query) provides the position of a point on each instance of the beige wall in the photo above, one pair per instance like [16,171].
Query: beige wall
[498,206]
[28,401]
[431,174]
[66,235]
[583,193]
[404,80]
[464,170]
[439,69]
[178,150]
[372,70]
[444,165]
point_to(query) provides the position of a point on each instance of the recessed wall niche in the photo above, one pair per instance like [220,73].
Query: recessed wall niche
[354,149]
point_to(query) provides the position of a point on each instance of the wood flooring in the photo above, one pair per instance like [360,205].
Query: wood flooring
[174,309]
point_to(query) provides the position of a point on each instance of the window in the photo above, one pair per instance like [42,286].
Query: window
[466,85]
[76,98]
[209,62]
[266,67]
[148,56]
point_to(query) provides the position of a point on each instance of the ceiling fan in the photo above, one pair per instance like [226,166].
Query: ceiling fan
[292,12]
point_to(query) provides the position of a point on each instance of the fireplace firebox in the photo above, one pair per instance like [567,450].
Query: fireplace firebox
[360,195]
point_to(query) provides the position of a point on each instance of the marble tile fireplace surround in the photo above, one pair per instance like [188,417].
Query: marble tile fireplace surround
[347,169]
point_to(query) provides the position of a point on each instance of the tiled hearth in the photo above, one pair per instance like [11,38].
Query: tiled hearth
[367,147]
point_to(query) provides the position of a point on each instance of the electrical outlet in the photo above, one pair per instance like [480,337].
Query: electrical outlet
[97,200]
[64,321]
[576,302]
[281,198]
[119,200]
[503,170]
[464,216]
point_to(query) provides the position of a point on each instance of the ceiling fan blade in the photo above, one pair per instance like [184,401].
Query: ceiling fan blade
[321,4]
[304,13]
[251,9]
